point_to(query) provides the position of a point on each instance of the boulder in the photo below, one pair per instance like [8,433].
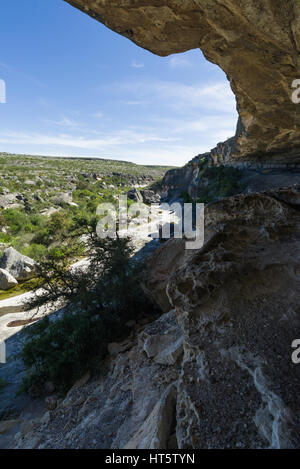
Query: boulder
[4,190]
[19,266]
[7,281]
[65,198]
[150,197]
[164,344]
[7,200]
[50,211]
[154,433]
[135,195]
[165,349]
[29,182]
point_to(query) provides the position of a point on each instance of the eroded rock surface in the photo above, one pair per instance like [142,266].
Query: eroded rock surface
[7,281]
[237,301]
[110,412]
[162,263]
[216,371]
[256,43]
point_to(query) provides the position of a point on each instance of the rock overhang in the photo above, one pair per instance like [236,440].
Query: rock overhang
[256,43]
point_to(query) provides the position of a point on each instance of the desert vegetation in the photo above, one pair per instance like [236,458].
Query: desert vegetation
[41,198]
[101,301]
[217,182]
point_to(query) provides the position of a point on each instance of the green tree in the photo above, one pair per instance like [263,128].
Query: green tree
[101,298]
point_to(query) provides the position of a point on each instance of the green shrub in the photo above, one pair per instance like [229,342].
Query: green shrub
[35,251]
[101,300]
[221,181]
[187,199]
[5,238]
[62,350]
[157,185]
[42,237]
[16,219]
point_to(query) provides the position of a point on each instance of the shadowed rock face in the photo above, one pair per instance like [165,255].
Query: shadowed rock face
[255,42]
[237,302]
[217,370]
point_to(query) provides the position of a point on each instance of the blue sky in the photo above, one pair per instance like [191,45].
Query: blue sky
[75,88]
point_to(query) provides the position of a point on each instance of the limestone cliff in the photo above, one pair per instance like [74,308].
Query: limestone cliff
[255,42]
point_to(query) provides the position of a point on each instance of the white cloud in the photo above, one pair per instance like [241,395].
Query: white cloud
[181,121]
[134,102]
[163,141]
[216,96]
[165,122]
[64,122]
[177,96]
[135,64]
[122,137]
[206,124]
[142,151]
[179,61]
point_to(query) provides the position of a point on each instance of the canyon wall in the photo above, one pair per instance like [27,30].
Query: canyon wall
[216,370]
